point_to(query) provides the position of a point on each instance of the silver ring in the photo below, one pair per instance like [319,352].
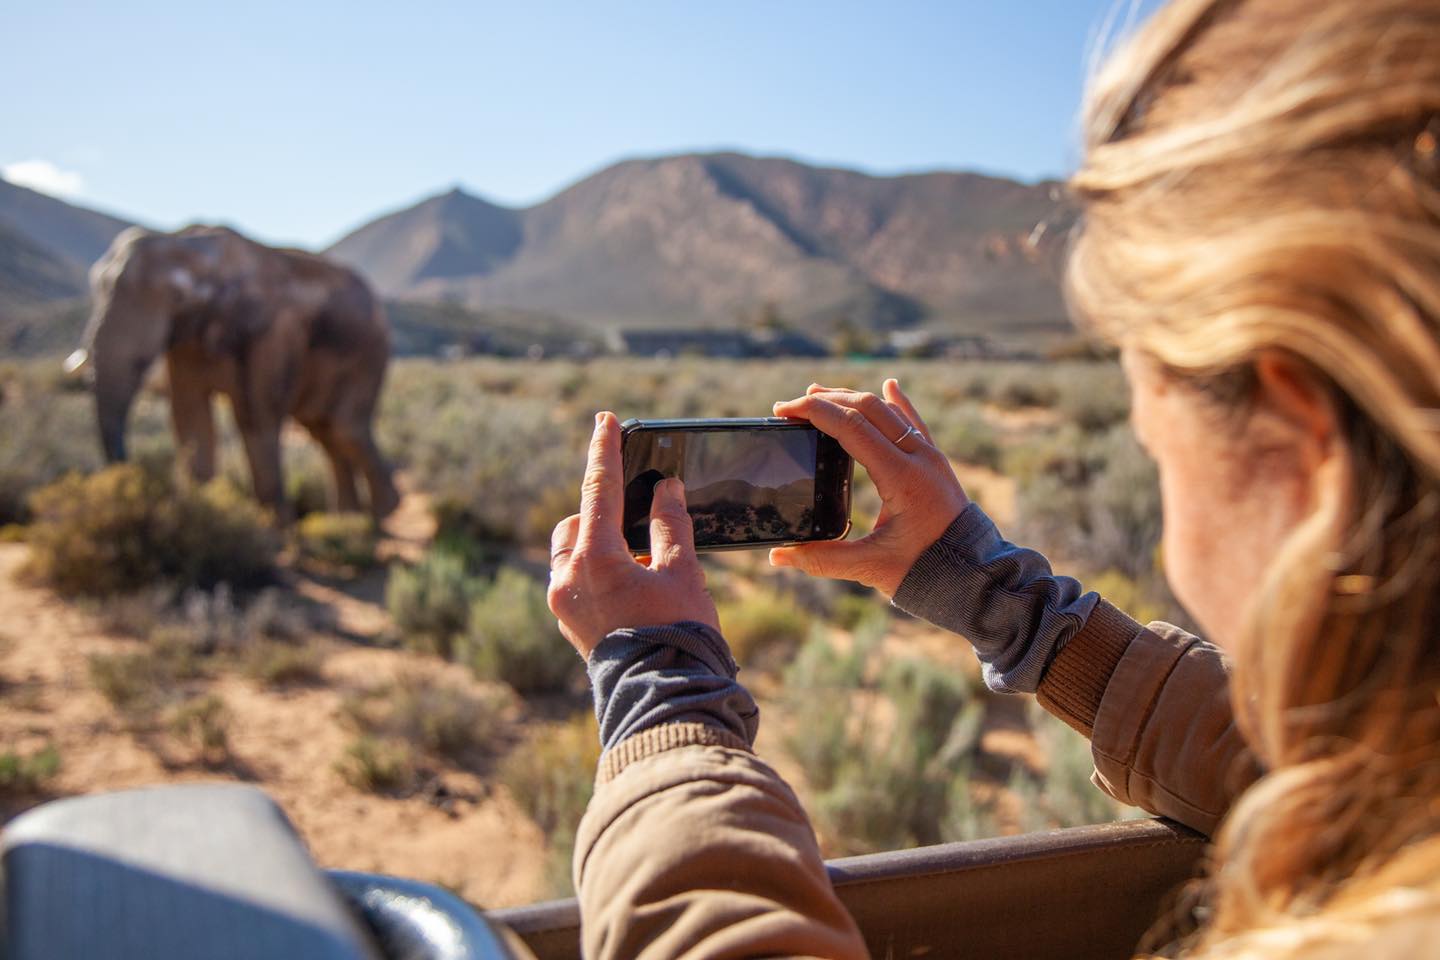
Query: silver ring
[906,435]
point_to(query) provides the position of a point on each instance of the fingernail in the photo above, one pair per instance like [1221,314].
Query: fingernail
[599,418]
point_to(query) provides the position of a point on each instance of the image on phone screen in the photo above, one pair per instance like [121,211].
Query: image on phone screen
[741,487]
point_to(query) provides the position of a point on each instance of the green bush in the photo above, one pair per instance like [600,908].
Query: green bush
[763,625]
[854,611]
[444,719]
[886,746]
[430,601]
[203,723]
[141,683]
[128,527]
[280,663]
[965,435]
[27,774]
[551,777]
[513,637]
[344,541]
[1062,794]
[377,765]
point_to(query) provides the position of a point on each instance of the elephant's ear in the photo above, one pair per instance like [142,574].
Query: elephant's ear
[190,291]
[233,315]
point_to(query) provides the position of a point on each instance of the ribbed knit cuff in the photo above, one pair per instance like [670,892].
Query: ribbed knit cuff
[666,736]
[1074,684]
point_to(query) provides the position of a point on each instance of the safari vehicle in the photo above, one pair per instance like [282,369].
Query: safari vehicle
[217,871]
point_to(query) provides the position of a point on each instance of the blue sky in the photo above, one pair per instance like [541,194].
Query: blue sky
[299,120]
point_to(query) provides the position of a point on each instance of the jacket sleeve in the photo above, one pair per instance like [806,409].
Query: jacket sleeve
[692,847]
[1155,703]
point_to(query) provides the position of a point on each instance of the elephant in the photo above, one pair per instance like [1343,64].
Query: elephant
[278,332]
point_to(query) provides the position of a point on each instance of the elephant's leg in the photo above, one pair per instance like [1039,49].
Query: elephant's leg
[262,449]
[192,418]
[344,497]
[360,449]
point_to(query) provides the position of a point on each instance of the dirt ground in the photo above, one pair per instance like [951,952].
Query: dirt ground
[476,841]
[463,831]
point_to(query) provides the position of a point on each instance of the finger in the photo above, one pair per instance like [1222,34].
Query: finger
[860,438]
[562,541]
[835,559]
[893,394]
[602,495]
[891,424]
[817,388]
[672,532]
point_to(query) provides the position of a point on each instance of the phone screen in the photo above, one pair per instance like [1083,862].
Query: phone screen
[741,486]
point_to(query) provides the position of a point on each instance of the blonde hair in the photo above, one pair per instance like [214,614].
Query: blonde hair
[1262,175]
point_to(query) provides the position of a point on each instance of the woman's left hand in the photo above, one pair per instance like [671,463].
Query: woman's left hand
[596,586]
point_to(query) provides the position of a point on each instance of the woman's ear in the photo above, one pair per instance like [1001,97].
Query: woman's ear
[1297,406]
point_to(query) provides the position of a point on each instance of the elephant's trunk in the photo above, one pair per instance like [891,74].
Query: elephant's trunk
[114,393]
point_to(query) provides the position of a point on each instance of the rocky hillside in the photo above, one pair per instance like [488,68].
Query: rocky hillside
[46,245]
[709,239]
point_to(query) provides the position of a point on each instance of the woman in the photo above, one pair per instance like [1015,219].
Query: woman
[1261,239]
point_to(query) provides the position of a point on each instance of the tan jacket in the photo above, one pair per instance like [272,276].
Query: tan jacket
[693,847]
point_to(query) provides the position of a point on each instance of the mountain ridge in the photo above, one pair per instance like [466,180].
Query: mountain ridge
[709,239]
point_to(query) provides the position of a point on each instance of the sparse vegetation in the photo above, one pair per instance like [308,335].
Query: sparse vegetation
[430,601]
[442,718]
[337,541]
[28,774]
[763,625]
[888,745]
[280,663]
[892,771]
[377,765]
[203,723]
[513,637]
[129,527]
[551,778]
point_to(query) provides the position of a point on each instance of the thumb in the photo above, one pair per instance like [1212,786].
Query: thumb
[672,532]
[836,559]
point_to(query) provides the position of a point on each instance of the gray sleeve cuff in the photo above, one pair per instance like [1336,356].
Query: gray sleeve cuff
[642,677]
[1004,599]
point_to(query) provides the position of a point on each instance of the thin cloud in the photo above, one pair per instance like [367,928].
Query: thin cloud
[44,176]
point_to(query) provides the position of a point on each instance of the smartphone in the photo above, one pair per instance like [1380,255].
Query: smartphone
[748,483]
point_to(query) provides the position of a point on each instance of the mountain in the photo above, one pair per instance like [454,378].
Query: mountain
[710,239]
[67,232]
[46,248]
[31,274]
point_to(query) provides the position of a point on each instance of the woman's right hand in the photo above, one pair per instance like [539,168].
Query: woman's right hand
[919,492]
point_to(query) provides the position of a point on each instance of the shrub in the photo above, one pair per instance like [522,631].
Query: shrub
[966,436]
[377,765]
[444,719]
[129,681]
[551,778]
[430,601]
[26,775]
[127,527]
[762,625]
[1062,795]
[886,746]
[1093,497]
[513,637]
[204,723]
[278,663]
[854,611]
[344,541]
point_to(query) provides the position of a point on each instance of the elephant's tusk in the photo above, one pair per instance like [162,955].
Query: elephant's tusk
[77,360]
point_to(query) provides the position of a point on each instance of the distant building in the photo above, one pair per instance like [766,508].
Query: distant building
[664,343]
[788,343]
[932,345]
